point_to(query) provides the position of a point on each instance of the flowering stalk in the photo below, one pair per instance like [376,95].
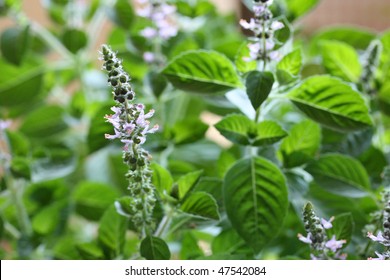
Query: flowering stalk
[263,26]
[370,64]
[131,126]
[164,27]
[383,238]
[321,247]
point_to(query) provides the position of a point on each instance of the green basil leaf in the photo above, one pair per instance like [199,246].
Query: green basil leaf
[122,14]
[256,201]
[187,182]
[48,218]
[203,72]
[340,174]
[356,37]
[112,232]
[258,87]
[241,130]
[154,248]
[341,60]
[44,122]
[201,204]
[92,199]
[74,39]
[332,103]
[298,8]
[301,145]
[20,85]
[161,179]
[14,43]
[90,251]
[289,67]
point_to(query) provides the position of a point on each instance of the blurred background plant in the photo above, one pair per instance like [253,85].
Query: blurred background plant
[62,182]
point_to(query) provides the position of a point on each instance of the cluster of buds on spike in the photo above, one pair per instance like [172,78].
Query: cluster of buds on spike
[383,238]
[263,27]
[321,247]
[131,126]
[370,64]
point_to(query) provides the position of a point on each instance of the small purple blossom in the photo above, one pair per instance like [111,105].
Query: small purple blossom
[263,27]
[4,124]
[149,57]
[327,224]
[306,239]
[380,257]
[148,32]
[162,16]
[378,238]
[248,25]
[276,25]
[334,244]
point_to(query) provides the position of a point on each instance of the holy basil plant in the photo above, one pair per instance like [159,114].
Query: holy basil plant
[188,139]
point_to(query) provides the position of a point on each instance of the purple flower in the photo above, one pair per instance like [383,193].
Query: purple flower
[4,124]
[379,258]
[149,57]
[334,244]
[327,224]
[148,32]
[304,239]
[276,25]
[248,25]
[378,238]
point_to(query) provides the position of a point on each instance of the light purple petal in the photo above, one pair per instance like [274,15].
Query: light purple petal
[327,224]
[334,244]
[378,238]
[306,239]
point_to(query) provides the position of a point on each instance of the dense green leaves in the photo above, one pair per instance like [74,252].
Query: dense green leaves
[258,87]
[341,60]
[353,36]
[340,174]
[298,8]
[74,39]
[343,227]
[203,72]
[154,248]
[47,219]
[239,129]
[255,195]
[201,204]
[92,199]
[111,233]
[289,67]
[122,14]
[20,85]
[14,43]
[187,182]
[332,103]
[161,179]
[301,144]
[44,122]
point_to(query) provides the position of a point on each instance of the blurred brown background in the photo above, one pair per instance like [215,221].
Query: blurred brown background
[373,14]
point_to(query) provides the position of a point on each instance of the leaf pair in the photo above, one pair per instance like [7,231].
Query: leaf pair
[241,130]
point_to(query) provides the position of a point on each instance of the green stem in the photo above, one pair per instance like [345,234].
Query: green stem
[52,41]
[257,116]
[264,48]
[16,189]
[164,155]
[164,224]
